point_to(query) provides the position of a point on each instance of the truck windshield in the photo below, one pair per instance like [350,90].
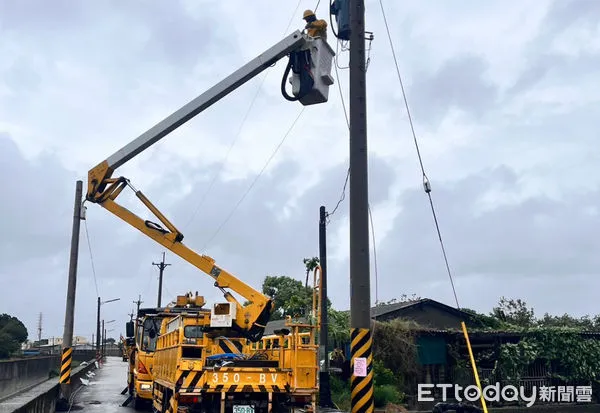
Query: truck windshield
[150,324]
[192,331]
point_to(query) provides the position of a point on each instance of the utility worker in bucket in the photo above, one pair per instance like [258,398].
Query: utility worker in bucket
[314,27]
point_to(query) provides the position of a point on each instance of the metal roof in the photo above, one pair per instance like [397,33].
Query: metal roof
[383,309]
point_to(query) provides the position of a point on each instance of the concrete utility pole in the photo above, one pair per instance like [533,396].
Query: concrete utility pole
[324,386]
[98,330]
[40,330]
[103,340]
[138,302]
[67,350]
[360,296]
[161,266]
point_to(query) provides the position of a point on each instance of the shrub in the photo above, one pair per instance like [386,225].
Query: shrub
[382,375]
[340,393]
[394,346]
[387,394]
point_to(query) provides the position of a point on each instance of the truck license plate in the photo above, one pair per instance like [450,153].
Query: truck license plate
[243,409]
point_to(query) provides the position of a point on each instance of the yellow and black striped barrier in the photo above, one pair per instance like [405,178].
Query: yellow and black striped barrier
[361,387]
[228,346]
[65,365]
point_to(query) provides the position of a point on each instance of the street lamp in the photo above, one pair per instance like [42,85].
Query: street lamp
[104,336]
[98,323]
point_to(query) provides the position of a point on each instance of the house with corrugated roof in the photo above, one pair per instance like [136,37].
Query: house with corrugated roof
[428,313]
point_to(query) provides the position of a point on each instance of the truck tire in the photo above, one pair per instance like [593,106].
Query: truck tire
[138,403]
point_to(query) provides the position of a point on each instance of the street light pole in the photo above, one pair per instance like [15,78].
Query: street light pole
[98,333]
[104,337]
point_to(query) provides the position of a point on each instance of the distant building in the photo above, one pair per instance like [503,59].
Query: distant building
[53,342]
[426,312]
[76,340]
[274,325]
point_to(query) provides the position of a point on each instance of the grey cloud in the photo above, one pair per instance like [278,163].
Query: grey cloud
[506,243]
[30,15]
[176,37]
[257,241]
[565,13]
[37,200]
[261,210]
[538,237]
[553,66]
[460,83]
[23,72]
[146,32]
[562,16]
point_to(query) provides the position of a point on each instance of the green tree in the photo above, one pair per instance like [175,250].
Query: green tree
[514,312]
[338,327]
[403,299]
[12,334]
[289,296]
[485,321]
[310,264]
[585,323]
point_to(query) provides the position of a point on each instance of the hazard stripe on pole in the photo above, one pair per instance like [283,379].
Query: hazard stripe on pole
[362,371]
[65,365]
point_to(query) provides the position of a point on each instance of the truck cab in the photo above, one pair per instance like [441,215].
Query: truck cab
[141,360]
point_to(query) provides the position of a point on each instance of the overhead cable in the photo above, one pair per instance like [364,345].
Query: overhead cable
[239,132]
[426,182]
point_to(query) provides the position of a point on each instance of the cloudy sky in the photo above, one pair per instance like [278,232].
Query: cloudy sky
[503,101]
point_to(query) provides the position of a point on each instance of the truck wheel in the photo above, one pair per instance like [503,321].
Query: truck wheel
[138,403]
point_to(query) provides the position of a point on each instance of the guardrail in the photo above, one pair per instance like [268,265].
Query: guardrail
[44,398]
[17,375]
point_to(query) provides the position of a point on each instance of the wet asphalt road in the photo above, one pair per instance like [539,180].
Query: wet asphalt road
[103,394]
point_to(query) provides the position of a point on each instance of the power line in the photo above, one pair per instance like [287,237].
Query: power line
[293,16]
[374,257]
[317,6]
[343,195]
[87,236]
[255,179]
[152,274]
[239,132]
[426,183]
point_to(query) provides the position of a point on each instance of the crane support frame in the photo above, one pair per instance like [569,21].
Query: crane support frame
[250,319]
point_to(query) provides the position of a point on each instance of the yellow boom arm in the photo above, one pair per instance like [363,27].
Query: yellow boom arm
[316,57]
[251,319]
